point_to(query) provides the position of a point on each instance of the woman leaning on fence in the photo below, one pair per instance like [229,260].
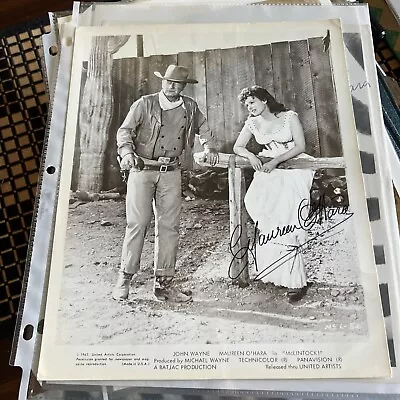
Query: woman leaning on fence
[275,195]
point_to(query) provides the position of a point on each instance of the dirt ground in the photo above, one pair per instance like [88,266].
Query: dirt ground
[332,310]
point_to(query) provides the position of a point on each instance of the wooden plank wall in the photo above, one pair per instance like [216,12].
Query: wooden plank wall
[324,96]
[297,73]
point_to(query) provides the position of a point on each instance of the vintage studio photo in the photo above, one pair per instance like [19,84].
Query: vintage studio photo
[209,198]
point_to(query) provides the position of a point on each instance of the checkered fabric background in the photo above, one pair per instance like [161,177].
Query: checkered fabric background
[387,51]
[383,14]
[387,60]
[23,112]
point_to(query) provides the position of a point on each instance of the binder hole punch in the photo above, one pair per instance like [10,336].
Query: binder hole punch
[28,332]
[50,170]
[53,50]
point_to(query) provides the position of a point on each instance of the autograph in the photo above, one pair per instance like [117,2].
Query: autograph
[359,86]
[306,220]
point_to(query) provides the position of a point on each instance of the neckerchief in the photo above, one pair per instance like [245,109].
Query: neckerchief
[166,105]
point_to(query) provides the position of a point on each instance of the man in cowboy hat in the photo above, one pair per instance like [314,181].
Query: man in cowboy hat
[157,129]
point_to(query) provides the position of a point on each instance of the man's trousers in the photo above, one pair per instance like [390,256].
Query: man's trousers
[149,191]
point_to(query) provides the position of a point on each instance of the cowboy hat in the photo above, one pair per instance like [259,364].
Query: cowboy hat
[176,73]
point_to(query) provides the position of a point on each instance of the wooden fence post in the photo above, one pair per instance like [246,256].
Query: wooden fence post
[238,225]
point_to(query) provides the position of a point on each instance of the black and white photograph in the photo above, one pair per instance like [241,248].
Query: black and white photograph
[212,217]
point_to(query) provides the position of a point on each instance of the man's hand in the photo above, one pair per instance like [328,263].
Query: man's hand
[211,155]
[131,161]
[127,162]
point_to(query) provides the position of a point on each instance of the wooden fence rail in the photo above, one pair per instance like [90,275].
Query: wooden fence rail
[310,162]
[237,218]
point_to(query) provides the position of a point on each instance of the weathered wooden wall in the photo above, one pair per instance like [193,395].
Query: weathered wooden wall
[297,73]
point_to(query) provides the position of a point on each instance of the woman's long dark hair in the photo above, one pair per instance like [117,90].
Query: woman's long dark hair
[263,95]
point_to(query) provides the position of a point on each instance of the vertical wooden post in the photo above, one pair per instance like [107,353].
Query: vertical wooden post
[238,226]
[139,46]
[143,68]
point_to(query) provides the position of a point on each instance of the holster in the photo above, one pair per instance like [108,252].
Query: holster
[124,172]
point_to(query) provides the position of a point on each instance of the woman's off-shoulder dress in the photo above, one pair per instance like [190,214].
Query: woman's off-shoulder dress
[273,201]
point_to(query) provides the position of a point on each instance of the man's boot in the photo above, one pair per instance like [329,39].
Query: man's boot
[121,288]
[163,291]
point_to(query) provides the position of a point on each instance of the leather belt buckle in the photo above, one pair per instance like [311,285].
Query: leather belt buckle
[164,160]
[163,168]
